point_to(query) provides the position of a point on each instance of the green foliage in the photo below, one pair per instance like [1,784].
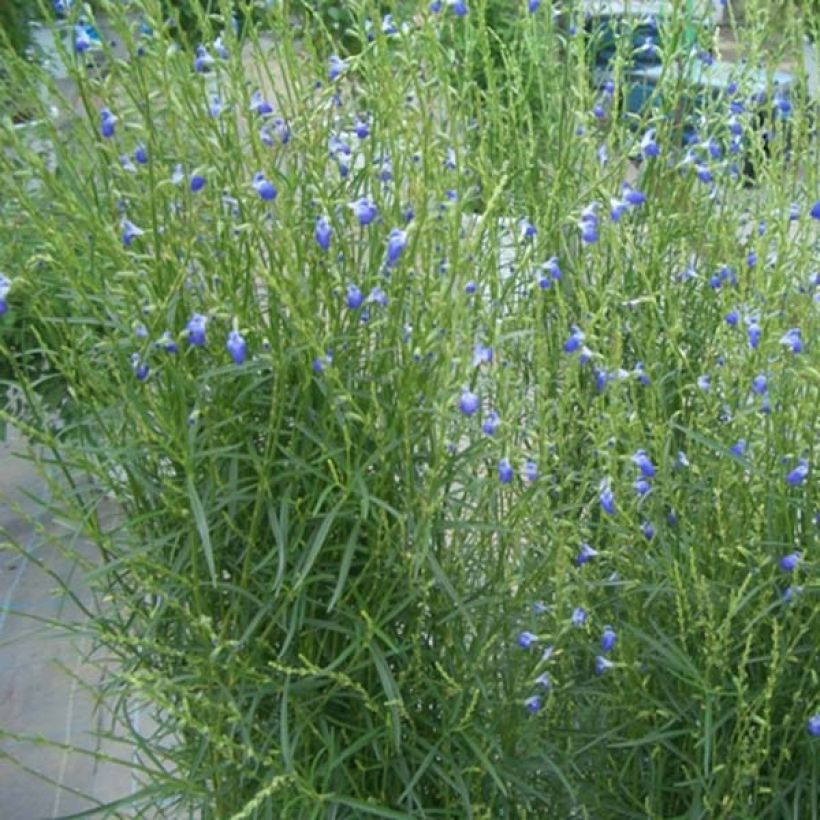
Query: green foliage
[15,16]
[308,573]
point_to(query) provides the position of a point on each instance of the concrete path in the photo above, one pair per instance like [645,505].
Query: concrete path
[45,685]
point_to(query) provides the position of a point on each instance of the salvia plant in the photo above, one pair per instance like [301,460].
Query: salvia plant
[447,435]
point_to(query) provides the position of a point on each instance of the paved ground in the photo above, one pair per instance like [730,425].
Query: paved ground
[44,682]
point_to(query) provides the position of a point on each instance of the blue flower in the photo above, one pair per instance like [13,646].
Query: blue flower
[482,354]
[649,147]
[585,554]
[354,298]
[468,403]
[491,423]
[505,471]
[321,362]
[82,42]
[365,210]
[588,224]
[754,333]
[642,461]
[607,498]
[215,106]
[127,164]
[791,339]
[533,5]
[813,723]
[641,374]
[579,616]
[533,703]
[378,296]
[705,382]
[602,665]
[197,183]
[323,233]
[266,189]
[336,66]
[642,486]
[798,474]
[141,155]
[732,318]
[259,105]
[166,342]
[631,196]
[738,448]
[130,232]
[543,680]
[574,341]
[526,228]
[526,639]
[236,346]
[459,7]
[396,243]
[470,288]
[529,472]
[107,123]
[202,60]
[788,563]
[435,6]
[5,287]
[760,385]
[608,639]
[140,368]
[196,330]
[815,210]
[617,209]
[647,530]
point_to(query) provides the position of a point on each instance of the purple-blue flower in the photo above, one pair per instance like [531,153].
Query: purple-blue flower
[813,723]
[574,341]
[602,664]
[529,472]
[336,66]
[792,339]
[140,368]
[533,703]
[396,243]
[642,461]
[5,287]
[647,530]
[197,183]
[649,147]
[458,7]
[490,424]
[608,639]
[354,298]
[579,616]
[264,187]
[259,105]
[196,330]
[760,385]
[130,232]
[585,554]
[526,639]
[505,471]
[754,333]
[202,60]
[141,155]
[533,5]
[642,486]
[632,196]
[108,123]
[788,563]
[468,403]
[798,474]
[236,346]
[82,41]
[815,210]
[365,210]
[738,448]
[323,233]
[482,354]
[607,498]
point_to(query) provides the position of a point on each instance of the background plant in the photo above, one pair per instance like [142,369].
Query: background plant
[334,575]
